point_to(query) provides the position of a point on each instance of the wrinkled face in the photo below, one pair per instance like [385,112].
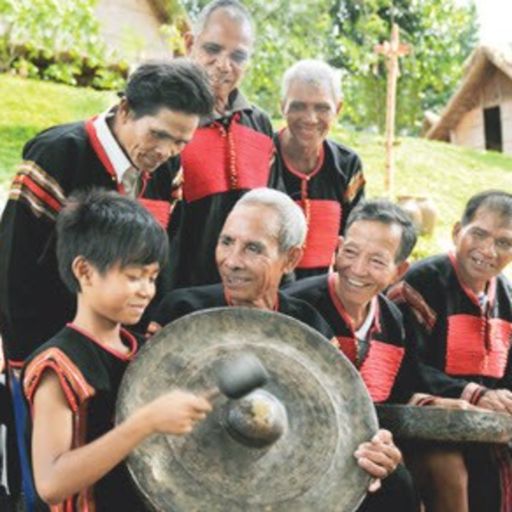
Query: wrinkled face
[121,294]
[483,247]
[223,49]
[151,140]
[248,256]
[366,262]
[310,111]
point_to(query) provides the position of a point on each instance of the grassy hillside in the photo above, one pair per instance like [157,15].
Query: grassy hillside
[29,106]
[447,174]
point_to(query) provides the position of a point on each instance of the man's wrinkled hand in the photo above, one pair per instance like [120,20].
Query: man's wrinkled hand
[498,400]
[378,457]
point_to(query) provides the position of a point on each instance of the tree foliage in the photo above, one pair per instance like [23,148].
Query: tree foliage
[441,34]
[344,32]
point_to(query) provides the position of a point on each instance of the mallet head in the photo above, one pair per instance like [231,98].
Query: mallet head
[239,376]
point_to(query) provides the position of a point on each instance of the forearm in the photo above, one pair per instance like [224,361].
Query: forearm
[82,467]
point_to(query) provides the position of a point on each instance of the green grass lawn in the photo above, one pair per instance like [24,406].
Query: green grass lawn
[29,106]
[447,174]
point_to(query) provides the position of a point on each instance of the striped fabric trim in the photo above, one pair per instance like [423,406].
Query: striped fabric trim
[35,187]
[73,383]
[77,392]
[473,392]
[421,399]
[403,292]
[355,184]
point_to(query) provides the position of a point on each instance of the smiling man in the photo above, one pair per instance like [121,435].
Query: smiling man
[125,149]
[368,327]
[260,241]
[458,306]
[232,150]
[323,176]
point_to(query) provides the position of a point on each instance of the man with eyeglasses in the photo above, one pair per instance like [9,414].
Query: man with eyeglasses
[231,151]
[324,177]
[459,308]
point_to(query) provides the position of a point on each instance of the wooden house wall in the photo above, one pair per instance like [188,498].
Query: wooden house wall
[132,27]
[495,91]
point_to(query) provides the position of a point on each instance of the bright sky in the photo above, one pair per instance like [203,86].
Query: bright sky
[495,17]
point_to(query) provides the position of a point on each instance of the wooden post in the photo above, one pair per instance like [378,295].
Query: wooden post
[391,51]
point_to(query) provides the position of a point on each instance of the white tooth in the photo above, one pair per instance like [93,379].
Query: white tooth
[355,283]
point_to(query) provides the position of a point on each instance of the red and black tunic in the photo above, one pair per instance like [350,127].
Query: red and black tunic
[89,376]
[464,349]
[34,303]
[327,195]
[227,157]
[459,342]
[385,365]
[187,300]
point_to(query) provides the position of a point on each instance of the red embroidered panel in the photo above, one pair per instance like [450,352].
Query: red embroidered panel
[161,210]
[348,347]
[324,218]
[474,348]
[380,368]
[208,160]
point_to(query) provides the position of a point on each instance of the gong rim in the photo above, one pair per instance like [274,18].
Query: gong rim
[430,423]
[311,378]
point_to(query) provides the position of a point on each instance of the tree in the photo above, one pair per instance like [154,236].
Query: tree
[441,32]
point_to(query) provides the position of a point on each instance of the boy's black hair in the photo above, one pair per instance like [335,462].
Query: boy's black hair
[497,201]
[382,210]
[178,85]
[107,229]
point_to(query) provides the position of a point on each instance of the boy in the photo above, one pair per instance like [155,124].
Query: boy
[110,250]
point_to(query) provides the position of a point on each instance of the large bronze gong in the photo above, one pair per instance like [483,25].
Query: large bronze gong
[286,447]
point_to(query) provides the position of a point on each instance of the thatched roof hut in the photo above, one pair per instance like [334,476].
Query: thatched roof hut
[479,115]
[133,27]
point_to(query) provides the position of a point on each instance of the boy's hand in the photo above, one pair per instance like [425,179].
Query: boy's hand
[176,412]
[378,457]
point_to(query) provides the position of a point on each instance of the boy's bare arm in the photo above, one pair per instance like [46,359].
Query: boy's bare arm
[60,472]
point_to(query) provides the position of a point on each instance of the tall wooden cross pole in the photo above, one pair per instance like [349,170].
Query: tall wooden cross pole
[391,50]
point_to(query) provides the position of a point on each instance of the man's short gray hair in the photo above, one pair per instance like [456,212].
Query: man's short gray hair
[234,9]
[292,222]
[313,72]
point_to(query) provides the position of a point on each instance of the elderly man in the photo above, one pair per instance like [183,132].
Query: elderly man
[125,149]
[368,327]
[231,151]
[324,177]
[459,307]
[261,240]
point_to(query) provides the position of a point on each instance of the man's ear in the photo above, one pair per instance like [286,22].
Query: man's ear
[339,107]
[189,42]
[123,110]
[283,106]
[292,259]
[401,269]
[456,230]
[341,241]
[82,270]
